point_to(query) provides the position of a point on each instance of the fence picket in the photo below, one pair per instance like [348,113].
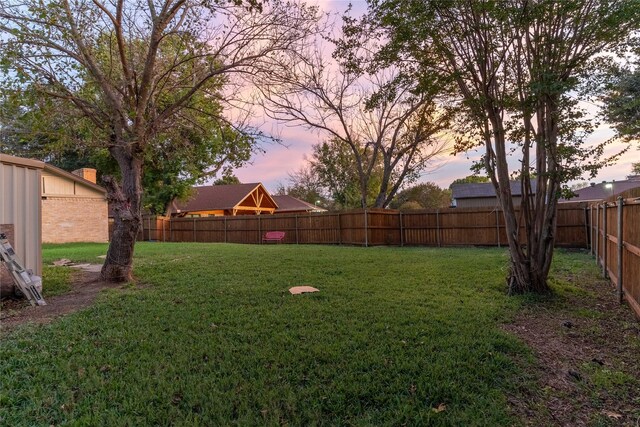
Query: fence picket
[576,227]
[626,260]
[371,227]
[619,287]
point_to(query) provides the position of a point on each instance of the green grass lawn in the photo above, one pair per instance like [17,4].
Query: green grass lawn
[211,336]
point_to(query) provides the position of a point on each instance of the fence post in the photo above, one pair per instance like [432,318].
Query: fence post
[194,228]
[297,240]
[438,227]
[170,231]
[497,226]
[366,229]
[225,229]
[339,229]
[259,230]
[597,234]
[591,229]
[620,249]
[604,240]
[401,230]
[586,228]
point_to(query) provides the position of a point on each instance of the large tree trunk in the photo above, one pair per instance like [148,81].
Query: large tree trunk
[530,259]
[126,200]
[381,200]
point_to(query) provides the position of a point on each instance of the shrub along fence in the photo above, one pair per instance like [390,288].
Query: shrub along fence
[371,227]
[615,242]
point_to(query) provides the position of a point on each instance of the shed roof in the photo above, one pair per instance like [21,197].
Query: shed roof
[485,189]
[218,197]
[21,161]
[288,203]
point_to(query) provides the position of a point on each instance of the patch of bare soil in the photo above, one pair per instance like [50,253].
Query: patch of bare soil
[86,286]
[587,368]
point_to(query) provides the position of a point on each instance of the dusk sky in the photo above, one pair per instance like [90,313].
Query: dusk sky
[273,167]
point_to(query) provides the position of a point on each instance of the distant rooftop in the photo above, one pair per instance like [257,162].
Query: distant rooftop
[604,190]
[484,189]
[288,203]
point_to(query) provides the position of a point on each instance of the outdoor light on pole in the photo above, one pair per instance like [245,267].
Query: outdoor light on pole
[609,186]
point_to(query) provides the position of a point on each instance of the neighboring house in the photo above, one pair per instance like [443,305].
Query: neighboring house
[74,208]
[475,195]
[604,190]
[220,200]
[20,215]
[291,205]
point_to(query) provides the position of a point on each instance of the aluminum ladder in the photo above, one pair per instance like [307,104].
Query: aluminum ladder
[24,279]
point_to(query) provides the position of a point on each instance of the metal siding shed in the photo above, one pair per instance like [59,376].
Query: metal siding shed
[20,207]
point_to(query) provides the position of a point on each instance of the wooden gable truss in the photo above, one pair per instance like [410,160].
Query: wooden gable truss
[257,202]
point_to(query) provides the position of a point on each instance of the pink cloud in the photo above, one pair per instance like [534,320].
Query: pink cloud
[274,166]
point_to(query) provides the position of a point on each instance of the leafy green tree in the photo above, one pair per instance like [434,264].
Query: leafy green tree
[330,178]
[305,185]
[422,196]
[635,168]
[335,167]
[515,67]
[47,132]
[143,75]
[622,103]
[471,179]
[227,179]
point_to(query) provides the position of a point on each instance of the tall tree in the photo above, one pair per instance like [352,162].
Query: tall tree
[422,196]
[142,88]
[336,169]
[42,129]
[376,117]
[516,65]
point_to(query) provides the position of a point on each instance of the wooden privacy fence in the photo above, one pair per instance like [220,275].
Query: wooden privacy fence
[371,227]
[615,242]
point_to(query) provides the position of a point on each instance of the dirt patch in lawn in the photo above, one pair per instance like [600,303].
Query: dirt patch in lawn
[586,346]
[85,287]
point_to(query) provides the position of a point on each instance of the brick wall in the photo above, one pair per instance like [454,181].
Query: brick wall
[70,219]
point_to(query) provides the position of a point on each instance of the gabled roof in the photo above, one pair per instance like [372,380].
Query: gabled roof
[485,189]
[288,203]
[602,192]
[218,197]
[61,172]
